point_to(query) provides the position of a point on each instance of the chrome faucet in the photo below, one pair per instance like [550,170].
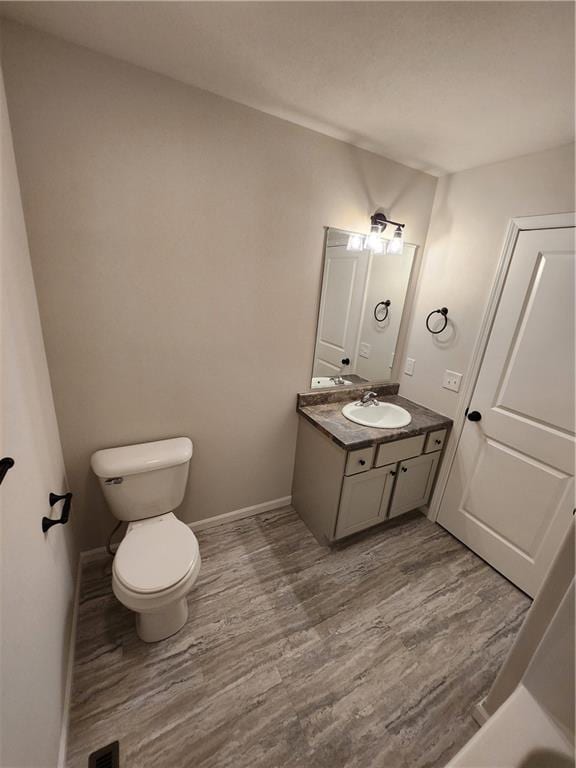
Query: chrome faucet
[369,398]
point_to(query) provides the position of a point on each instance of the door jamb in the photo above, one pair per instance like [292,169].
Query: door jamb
[515,226]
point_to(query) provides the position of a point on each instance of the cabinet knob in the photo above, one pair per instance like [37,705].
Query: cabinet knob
[437,442]
[404,469]
[345,361]
[361,462]
[393,473]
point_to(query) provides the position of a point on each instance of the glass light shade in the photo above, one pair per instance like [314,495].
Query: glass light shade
[396,245]
[374,242]
[379,246]
[355,243]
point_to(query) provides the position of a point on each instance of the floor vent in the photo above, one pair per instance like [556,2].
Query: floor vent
[106,757]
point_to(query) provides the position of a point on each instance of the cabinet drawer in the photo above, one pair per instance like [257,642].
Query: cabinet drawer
[359,461]
[388,453]
[365,500]
[414,481]
[435,441]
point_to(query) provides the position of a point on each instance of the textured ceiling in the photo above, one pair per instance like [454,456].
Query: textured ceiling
[439,86]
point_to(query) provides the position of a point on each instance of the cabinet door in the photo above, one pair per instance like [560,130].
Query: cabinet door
[364,501]
[414,483]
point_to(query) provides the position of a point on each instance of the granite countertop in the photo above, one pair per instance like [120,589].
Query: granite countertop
[329,419]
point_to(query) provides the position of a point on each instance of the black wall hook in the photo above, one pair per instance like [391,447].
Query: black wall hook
[5,464]
[443,311]
[54,498]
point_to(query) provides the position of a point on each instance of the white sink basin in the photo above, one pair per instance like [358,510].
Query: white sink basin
[381,416]
[327,381]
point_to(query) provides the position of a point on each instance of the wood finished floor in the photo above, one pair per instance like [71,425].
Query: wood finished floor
[367,655]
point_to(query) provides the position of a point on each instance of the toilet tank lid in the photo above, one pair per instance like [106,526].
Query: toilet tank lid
[143,457]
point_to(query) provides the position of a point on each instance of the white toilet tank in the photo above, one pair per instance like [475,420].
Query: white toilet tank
[144,480]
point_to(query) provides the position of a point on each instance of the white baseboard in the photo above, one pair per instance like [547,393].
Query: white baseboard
[479,713]
[90,555]
[240,514]
[70,668]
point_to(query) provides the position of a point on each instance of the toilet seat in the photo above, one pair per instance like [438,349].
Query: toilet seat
[155,555]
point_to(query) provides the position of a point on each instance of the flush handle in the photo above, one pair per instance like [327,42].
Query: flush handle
[113,481]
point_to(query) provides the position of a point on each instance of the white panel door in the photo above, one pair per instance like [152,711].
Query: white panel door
[510,493]
[344,284]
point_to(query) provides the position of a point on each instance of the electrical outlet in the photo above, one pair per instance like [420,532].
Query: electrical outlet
[409,367]
[365,349]
[452,381]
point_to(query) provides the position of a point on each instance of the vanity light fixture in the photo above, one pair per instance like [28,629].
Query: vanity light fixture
[378,223]
[374,241]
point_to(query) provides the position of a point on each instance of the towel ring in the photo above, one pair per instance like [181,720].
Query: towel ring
[444,312]
[384,304]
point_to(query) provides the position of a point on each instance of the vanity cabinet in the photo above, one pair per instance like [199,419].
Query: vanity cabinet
[338,492]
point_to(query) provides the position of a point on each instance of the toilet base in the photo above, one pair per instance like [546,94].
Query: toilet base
[158,625]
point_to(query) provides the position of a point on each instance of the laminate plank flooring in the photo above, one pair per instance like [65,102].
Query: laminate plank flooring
[367,655]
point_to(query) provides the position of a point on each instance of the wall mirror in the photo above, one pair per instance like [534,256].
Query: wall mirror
[361,309]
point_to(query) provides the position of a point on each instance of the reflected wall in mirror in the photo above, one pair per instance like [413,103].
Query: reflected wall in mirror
[361,308]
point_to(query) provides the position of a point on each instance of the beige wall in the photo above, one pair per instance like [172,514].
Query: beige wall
[36,575]
[176,240]
[469,221]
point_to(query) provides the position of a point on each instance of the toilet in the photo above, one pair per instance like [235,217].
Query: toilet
[158,560]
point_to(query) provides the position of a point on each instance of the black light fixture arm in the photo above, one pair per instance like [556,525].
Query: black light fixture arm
[379,220]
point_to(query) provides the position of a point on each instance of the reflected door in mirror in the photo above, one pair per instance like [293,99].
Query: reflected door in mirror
[340,310]
[355,341]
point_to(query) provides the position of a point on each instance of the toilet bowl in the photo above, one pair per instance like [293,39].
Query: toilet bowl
[155,567]
[158,560]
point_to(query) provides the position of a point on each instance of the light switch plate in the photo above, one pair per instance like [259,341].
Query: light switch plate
[365,349]
[409,367]
[452,381]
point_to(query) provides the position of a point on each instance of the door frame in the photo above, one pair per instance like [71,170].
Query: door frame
[515,227]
